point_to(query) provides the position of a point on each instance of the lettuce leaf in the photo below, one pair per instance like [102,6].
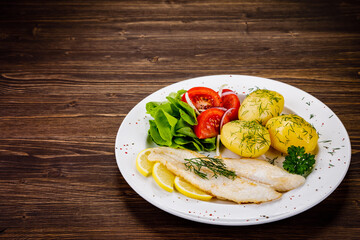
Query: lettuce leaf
[172,124]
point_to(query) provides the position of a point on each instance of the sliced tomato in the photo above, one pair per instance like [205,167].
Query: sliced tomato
[230,115]
[209,123]
[203,98]
[229,99]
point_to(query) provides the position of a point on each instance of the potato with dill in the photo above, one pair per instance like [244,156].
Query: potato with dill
[261,105]
[288,130]
[245,138]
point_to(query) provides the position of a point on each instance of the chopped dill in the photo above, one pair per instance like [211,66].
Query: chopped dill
[255,138]
[215,165]
[244,112]
[270,95]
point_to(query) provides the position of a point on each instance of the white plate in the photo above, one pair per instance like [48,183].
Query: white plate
[332,159]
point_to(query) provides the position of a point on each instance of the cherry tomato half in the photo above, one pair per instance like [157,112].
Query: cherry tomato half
[209,123]
[229,99]
[203,98]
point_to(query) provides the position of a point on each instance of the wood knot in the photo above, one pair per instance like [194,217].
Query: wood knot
[22,181]
[153,59]
[72,104]
[122,32]
[111,95]
[54,173]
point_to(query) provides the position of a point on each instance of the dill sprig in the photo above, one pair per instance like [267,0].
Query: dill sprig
[216,165]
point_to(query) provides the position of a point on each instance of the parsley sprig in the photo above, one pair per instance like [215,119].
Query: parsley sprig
[299,162]
[216,165]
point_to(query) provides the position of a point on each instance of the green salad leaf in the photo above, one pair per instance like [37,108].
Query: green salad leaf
[172,124]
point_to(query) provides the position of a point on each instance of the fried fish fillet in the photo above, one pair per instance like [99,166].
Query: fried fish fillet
[239,190]
[264,172]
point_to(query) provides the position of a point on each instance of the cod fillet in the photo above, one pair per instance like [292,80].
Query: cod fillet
[239,190]
[264,172]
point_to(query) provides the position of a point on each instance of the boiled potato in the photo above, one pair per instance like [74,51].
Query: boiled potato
[245,138]
[261,105]
[287,130]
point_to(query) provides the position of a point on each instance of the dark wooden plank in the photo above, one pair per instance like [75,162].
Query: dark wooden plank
[70,71]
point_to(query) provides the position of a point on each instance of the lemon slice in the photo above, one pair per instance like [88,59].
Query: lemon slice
[190,191]
[143,165]
[163,177]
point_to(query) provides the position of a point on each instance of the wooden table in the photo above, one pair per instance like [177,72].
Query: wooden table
[70,71]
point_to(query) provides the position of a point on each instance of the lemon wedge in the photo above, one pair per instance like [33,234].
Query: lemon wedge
[190,191]
[163,177]
[143,165]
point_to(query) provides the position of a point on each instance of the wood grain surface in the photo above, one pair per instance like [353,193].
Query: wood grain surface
[70,71]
